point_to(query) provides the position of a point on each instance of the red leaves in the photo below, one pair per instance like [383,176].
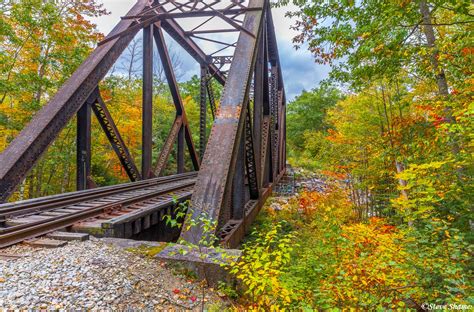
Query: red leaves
[467,51]
[380,225]
[176,291]
[438,120]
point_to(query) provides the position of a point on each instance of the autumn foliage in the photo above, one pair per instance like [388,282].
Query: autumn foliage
[336,260]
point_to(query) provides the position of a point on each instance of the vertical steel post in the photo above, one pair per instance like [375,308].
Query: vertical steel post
[266,86]
[259,91]
[274,107]
[202,112]
[267,162]
[83,158]
[147,101]
[284,137]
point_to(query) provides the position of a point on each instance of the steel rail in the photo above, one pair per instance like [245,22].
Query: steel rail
[18,233]
[62,200]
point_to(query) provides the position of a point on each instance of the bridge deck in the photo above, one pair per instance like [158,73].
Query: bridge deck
[117,211]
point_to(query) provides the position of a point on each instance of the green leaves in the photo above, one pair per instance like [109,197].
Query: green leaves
[264,260]
[369,40]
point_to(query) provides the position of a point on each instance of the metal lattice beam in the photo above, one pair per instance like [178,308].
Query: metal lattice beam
[245,153]
[113,135]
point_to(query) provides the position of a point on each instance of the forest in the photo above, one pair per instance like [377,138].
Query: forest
[390,132]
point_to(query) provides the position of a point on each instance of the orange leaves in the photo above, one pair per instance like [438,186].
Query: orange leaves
[380,226]
[372,265]
[467,51]
[364,264]
[333,174]
[309,202]
[333,136]
[333,205]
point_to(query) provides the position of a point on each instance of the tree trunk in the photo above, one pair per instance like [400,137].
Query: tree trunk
[31,179]
[398,166]
[440,76]
[22,190]
[39,179]
[428,29]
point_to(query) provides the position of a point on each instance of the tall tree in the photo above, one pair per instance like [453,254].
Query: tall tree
[366,40]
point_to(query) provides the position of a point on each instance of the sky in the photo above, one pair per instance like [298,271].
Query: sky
[300,72]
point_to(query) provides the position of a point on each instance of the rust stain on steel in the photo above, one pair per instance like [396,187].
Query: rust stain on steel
[229,112]
[166,150]
[218,163]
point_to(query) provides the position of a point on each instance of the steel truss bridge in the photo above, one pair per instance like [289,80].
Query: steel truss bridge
[234,168]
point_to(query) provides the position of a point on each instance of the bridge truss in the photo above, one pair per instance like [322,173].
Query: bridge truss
[244,154]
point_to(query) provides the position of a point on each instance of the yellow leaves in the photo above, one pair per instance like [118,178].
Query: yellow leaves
[379,47]
[333,205]
[423,52]
[371,261]
[261,267]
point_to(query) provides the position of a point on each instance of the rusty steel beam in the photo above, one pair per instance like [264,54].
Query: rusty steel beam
[187,14]
[83,146]
[147,102]
[266,155]
[212,100]
[260,89]
[169,72]
[274,118]
[274,57]
[238,185]
[168,146]
[245,153]
[113,135]
[179,35]
[202,111]
[218,166]
[151,19]
[281,133]
[21,155]
[280,96]
[222,60]
[250,163]
[210,31]
[174,89]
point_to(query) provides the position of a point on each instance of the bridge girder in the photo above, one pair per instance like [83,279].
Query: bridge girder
[245,152]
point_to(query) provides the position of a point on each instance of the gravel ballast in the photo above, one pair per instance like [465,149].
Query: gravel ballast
[92,275]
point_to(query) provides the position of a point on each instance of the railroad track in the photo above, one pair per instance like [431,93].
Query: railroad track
[112,205]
